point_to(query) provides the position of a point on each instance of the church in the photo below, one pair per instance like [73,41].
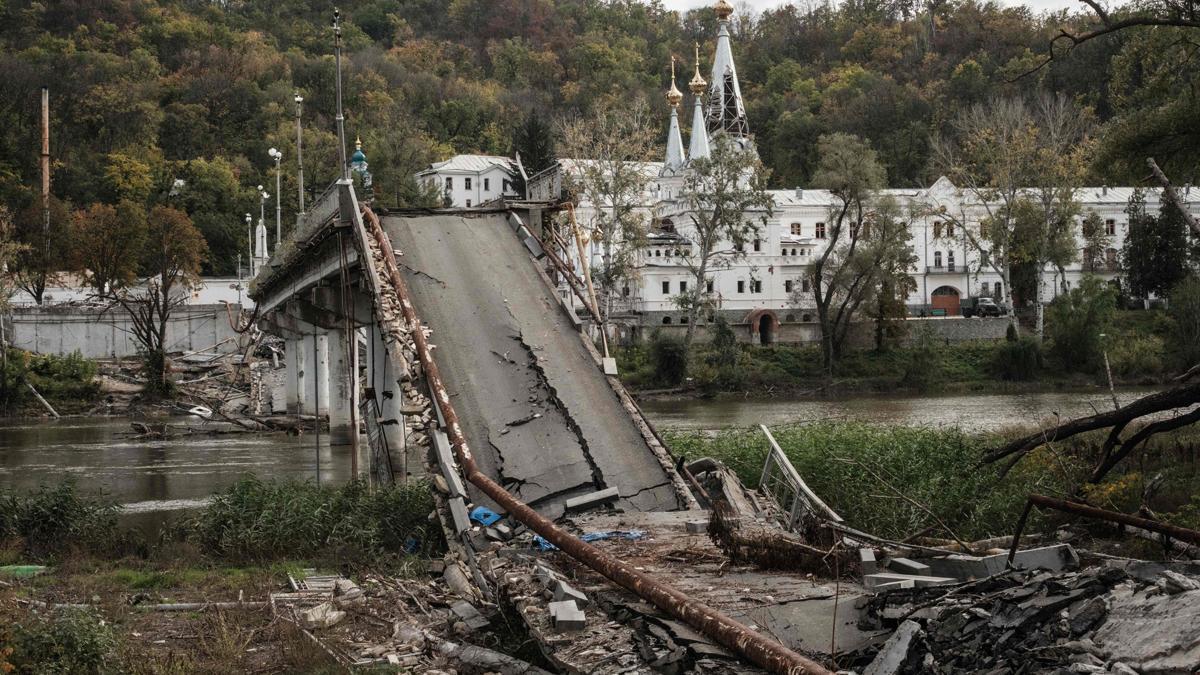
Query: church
[763,290]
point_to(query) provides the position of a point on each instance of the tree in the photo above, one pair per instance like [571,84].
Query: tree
[534,143]
[1018,165]
[1185,321]
[107,244]
[610,147]
[171,257]
[1078,319]
[1154,257]
[1096,242]
[867,250]
[724,196]
[41,258]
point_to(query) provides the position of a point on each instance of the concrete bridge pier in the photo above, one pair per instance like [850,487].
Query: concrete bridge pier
[389,397]
[342,369]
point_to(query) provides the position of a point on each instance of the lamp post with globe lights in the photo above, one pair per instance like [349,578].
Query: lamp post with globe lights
[277,156]
[250,244]
[299,153]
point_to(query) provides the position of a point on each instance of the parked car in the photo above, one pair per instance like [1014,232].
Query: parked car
[982,307]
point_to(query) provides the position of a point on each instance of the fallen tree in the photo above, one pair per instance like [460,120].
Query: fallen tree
[1132,416]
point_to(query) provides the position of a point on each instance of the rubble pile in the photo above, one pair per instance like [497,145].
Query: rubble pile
[1140,618]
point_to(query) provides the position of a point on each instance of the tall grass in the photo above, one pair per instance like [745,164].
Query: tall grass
[53,520]
[269,520]
[934,467]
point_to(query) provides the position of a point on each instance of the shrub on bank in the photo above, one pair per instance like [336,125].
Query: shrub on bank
[1019,360]
[270,520]
[67,379]
[54,520]
[65,641]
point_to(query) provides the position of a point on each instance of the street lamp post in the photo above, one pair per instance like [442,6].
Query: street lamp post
[299,153]
[250,244]
[277,156]
[341,120]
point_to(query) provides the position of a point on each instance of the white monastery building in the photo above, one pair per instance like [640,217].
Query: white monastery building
[764,288]
[471,180]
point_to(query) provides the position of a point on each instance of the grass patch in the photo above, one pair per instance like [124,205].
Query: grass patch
[50,521]
[936,466]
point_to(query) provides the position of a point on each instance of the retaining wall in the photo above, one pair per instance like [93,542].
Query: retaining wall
[97,333]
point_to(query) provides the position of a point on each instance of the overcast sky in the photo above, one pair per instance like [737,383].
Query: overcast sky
[1036,5]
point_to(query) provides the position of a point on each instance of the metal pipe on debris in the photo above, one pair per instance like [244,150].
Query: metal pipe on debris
[758,648]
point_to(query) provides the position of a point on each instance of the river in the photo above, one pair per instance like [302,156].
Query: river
[155,479]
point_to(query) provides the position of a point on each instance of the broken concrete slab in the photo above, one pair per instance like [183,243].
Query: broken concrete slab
[567,615]
[589,501]
[871,581]
[445,457]
[323,615]
[697,526]
[564,591]
[458,512]
[1054,558]
[467,613]
[891,657]
[894,585]
[907,566]
[1152,633]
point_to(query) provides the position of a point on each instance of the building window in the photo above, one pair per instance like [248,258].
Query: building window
[937,258]
[741,286]
[1110,259]
[996,291]
[467,182]
[683,319]
[668,253]
[820,230]
[667,225]
[666,320]
[505,186]
[937,229]
[487,184]
[666,286]
[950,261]
[449,183]
[854,225]
[468,202]
[790,318]
[624,291]
[1110,227]
[758,285]
[797,229]
[804,287]
[787,285]
[657,253]
[683,287]
[783,252]
[793,251]
[949,229]
[806,318]
[708,286]
[757,245]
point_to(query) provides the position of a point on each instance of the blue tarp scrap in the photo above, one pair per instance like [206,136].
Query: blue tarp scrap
[484,516]
[632,535]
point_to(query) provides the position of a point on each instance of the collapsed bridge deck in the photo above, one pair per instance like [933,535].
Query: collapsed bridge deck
[543,419]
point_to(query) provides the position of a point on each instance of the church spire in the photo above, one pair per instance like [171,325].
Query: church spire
[675,156]
[699,142]
[726,112]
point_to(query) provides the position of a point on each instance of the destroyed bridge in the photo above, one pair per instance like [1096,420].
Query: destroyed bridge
[447,335]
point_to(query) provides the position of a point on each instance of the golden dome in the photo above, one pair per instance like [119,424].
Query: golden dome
[697,84]
[674,96]
[723,9]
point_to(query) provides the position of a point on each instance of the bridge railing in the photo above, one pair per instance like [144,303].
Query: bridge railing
[782,484]
[320,213]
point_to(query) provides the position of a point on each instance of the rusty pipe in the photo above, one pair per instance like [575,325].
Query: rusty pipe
[756,647]
[1075,508]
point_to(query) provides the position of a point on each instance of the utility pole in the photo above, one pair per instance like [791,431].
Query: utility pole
[299,153]
[341,120]
[46,165]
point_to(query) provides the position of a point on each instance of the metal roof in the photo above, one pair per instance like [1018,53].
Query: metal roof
[469,164]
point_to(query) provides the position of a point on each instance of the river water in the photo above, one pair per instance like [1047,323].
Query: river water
[157,478]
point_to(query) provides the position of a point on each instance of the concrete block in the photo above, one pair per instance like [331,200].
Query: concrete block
[588,501]
[906,566]
[866,558]
[445,457]
[546,576]
[894,585]
[534,246]
[567,616]
[1055,558]
[697,526]
[610,365]
[894,652]
[458,511]
[873,580]
[565,591]
[499,532]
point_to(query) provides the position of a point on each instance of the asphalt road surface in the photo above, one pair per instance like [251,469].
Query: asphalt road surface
[539,415]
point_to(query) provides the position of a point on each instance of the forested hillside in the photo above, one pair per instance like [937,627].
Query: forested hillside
[145,92]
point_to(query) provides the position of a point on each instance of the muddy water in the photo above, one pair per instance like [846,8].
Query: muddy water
[980,412]
[154,479]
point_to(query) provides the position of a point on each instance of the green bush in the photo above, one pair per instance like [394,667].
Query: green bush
[1076,320]
[1136,356]
[669,356]
[1020,360]
[923,369]
[269,520]
[53,520]
[74,641]
[1184,332]
[60,379]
